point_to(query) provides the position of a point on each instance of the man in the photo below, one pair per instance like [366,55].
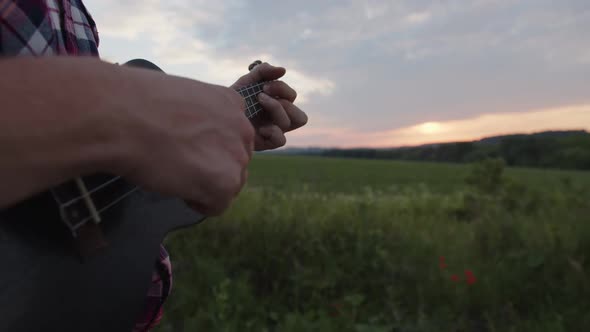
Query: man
[64,116]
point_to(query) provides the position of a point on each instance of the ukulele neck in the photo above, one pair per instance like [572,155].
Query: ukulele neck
[250,94]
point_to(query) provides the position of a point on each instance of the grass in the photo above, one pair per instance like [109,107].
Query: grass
[330,175]
[355,245]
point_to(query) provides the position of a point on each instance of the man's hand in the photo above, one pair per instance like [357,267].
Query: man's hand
[280,114]
[168,134]
[191,139]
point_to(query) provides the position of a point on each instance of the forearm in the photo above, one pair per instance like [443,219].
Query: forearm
[54,124]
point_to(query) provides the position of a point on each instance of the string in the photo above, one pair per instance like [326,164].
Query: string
[256,110]
[252,86]
[256,88]
[74,200]
[106,207]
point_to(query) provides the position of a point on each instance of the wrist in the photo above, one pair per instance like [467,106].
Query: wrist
[113,125]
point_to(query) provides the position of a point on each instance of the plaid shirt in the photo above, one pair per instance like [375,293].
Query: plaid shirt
[64,27]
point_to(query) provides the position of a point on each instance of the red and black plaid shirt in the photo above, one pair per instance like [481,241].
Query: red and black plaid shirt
[64,27]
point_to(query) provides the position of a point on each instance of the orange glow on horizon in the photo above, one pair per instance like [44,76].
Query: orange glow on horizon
[575,117]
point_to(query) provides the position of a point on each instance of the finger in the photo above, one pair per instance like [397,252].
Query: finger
[260,73]
[267,72]
[271,137]
[275,111]
[297,117]
[280,89]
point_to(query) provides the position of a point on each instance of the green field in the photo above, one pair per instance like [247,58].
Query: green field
[317,244]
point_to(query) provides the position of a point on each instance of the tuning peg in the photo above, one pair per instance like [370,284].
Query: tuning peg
[254,64]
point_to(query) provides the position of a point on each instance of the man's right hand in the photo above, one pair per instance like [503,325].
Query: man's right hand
[64,117]
[184,138]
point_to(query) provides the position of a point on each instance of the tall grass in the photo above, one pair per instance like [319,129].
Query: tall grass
[311,257]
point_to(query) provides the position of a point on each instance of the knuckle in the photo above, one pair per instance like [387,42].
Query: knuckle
[272,104]
[226,187]
[243,159]
[247,130]
[286,124]
[294,94]
[298,117]
[285,89]
[303,120]
[234,183]
[281,141]
[277,86]
[282,84]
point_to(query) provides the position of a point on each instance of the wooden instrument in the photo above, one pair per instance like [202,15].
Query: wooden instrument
[79,257]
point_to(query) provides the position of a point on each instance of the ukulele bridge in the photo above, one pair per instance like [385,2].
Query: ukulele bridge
[84,227]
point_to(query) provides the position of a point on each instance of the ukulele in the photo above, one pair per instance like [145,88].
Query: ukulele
[79,256]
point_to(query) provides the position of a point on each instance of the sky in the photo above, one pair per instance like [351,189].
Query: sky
[378,73]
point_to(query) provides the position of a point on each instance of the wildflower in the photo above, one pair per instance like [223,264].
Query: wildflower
[455,278]
[470,278]
[441,262]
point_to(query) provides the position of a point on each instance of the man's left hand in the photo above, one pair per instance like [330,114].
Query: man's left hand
[279,114]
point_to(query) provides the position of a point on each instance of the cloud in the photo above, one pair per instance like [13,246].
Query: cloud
[418,17]
[171,29]
[374,9]
[370,65]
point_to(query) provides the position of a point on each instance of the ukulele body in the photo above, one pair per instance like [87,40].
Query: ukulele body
[47,284]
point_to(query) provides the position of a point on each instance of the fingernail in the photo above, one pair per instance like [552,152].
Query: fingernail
[263,96]
[266,88]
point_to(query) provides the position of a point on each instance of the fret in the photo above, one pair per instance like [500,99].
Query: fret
[250,100]
[254,109]
[250,94]
[252,89]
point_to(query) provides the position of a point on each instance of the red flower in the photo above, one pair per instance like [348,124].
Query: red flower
[441,262]
[470,277]
[455,278]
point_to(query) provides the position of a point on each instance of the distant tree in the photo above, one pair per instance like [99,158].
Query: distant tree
[568,150]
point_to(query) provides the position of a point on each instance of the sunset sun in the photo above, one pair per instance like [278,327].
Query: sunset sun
[430,128]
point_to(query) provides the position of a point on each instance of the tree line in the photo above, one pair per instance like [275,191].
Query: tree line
[562,150]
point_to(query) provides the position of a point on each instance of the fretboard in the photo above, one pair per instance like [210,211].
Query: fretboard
[250,94]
